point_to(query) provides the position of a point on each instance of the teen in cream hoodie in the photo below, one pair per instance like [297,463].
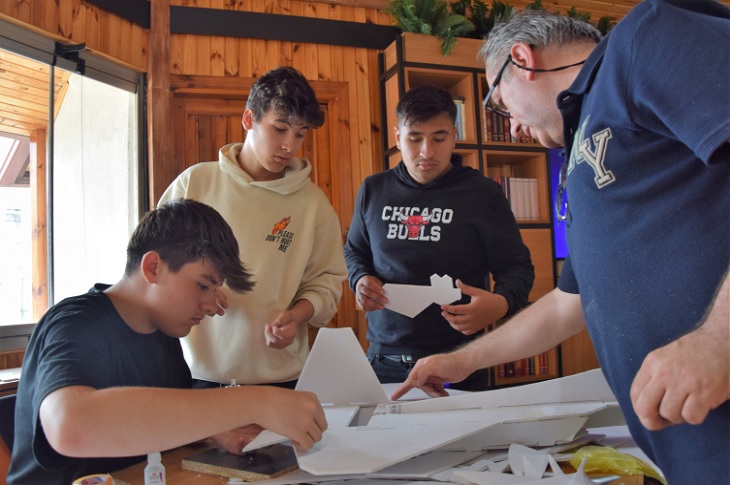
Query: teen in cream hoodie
[290,239]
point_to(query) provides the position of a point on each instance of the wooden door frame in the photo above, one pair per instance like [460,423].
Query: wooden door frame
[332,93]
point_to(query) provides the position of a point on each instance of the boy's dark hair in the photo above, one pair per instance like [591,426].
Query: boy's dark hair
[423,103]
[288,93]
[183,231]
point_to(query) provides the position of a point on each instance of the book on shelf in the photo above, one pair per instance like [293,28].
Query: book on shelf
[522,196]
[460,117]
[531,366]
[534,206]
[497,128]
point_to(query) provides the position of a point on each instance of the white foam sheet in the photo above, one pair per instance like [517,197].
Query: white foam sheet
[586,386]
[337,417]
[488,478]
[527,462]
[421,467]
[425,466]
[367,449]
[338,371]
[546,432]
[378,481]
[390,439]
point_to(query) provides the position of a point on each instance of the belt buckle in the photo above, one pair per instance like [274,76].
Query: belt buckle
[407,359]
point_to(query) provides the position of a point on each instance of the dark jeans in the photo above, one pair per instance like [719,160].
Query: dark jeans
[390,370]
[201,384]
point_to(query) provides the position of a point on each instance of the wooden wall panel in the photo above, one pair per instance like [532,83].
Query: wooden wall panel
[204,55]
[582,356]
[109,36]
[11,359]
[191,55]
[540,241]
[73,21]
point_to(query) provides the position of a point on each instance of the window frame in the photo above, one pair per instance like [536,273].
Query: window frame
[23,42]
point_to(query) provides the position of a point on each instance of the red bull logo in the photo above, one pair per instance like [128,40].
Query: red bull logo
[414,224]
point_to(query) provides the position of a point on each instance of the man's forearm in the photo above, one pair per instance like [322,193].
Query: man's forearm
[717,320]
[543,325]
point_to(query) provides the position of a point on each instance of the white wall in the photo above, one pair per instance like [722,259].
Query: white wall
[95,185]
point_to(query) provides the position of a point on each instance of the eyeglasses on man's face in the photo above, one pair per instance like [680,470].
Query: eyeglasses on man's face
[501,111]
[488,97]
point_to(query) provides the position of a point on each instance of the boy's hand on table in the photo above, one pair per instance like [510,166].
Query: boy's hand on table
[298,415]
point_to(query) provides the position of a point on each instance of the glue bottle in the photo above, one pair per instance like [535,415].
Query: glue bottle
[154,472]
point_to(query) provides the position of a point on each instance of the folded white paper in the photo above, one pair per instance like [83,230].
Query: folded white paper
[410,300]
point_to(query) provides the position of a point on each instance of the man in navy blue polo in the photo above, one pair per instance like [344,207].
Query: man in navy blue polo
[645,117]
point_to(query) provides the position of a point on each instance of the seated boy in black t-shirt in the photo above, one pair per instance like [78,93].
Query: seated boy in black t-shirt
[104,379]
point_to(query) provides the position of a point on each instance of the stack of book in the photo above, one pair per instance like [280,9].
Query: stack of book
[532,366]
[497,128]
[522,195]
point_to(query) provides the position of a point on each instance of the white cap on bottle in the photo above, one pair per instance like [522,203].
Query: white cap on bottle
[154,457]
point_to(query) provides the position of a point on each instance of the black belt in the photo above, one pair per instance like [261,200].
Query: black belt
[405,358]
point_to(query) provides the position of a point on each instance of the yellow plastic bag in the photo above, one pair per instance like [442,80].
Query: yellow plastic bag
[605,459]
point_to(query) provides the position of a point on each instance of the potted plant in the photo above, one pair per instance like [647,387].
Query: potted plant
[464,18]
[431,17]
[481,16]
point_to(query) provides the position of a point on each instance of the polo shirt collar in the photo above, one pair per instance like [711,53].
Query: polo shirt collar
[570,101]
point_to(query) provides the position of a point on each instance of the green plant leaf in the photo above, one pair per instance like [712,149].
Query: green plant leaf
[460,7]
[448,27]
[479,16]
[430,10]
[536,5]
[573,12]
[501,12]
[605,24]
[466,18]
[406,15]
[432,17]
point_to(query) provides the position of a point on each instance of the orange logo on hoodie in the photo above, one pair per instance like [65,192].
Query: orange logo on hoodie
[281,225]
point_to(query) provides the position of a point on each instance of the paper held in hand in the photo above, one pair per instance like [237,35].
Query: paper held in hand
[410,300]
